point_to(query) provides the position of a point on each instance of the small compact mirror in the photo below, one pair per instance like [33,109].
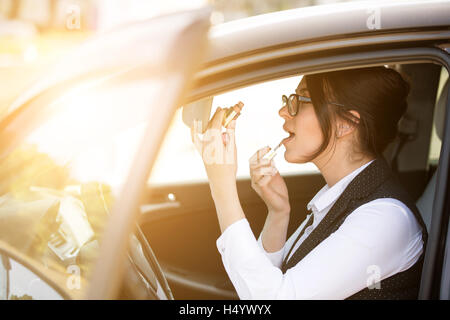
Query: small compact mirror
[199,110]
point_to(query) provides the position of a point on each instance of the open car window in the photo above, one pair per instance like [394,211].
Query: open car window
[259,125]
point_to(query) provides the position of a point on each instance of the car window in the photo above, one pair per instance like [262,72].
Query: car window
[59,183]
[258,126]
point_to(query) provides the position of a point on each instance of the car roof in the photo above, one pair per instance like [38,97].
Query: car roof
[323,22]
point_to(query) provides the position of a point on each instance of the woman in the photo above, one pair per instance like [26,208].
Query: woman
[364,238]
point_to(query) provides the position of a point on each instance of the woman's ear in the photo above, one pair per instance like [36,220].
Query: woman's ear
[345,127]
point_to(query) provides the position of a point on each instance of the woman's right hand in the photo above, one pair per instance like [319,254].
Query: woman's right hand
[268,183]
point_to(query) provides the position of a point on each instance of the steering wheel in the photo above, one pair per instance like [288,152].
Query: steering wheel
[154,264]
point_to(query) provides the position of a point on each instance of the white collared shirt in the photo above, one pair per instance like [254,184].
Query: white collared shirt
[376,241]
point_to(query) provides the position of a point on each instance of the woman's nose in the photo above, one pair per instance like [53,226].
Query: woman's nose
[283,112]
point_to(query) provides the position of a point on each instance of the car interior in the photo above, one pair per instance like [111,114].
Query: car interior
[181,223]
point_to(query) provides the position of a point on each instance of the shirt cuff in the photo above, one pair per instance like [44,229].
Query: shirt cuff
[275,257]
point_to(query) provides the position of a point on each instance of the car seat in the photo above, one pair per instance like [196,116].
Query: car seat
[425,202]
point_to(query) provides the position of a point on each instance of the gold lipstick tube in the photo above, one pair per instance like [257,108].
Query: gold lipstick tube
[231,113]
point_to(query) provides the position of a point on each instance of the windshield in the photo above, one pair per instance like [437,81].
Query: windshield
[58,184]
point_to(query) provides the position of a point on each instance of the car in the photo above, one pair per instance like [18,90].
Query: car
[103,195]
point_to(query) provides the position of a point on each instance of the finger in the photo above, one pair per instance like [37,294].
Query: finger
[238,108]
[262,172]
[259,164]
[263,163]
[259,154]
[232,125]
[209,125]
[264,181]
[239,105]
[265,171]
[216,121]
[272,164]
[230,131]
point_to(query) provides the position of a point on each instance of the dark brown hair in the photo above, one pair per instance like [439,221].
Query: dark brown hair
[378,94]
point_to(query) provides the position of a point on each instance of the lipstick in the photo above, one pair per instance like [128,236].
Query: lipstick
[272,153]
[231,113]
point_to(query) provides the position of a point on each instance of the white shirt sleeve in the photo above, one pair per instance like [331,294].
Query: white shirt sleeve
[275,257]
[376,240]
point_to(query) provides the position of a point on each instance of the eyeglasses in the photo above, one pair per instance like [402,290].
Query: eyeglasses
[295,101]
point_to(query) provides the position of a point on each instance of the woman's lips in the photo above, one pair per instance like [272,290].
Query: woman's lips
[291,136]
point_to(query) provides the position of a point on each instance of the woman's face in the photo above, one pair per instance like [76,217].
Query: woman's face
[305,133]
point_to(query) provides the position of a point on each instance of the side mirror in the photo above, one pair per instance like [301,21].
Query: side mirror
[198,111]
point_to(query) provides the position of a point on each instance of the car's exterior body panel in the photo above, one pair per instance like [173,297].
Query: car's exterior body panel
[311,24]
[434,275]
[394,38]
[240,47]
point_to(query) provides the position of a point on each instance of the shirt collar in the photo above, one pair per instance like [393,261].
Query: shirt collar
[327,196]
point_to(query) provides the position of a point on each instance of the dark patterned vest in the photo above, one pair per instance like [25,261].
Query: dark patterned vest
[374,182]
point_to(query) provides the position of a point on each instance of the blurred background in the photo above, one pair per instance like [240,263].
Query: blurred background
[34,33]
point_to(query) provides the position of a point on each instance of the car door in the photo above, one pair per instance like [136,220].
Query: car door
[74,149]
[442,287]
